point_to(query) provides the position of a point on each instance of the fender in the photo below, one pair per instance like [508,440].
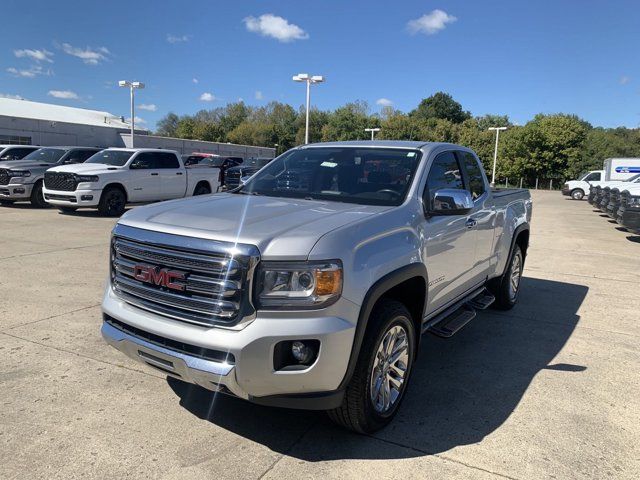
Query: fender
[519,229]
[377,290]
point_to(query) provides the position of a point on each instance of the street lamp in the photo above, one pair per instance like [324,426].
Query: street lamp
[305,77]
[495,153]
[132,86]
[373,131]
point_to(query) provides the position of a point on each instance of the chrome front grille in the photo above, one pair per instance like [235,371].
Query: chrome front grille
[4,177]
[214,278]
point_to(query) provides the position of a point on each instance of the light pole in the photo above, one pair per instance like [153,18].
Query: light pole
[373,131]
[495,153]
[305,77]
[132,86]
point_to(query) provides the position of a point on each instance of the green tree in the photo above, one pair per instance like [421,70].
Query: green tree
[168,125]
[349,122]
[440,106]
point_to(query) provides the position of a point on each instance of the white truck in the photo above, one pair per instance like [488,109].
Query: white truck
[116,177]
[613,169]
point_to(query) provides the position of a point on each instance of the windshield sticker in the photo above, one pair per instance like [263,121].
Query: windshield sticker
[329,164]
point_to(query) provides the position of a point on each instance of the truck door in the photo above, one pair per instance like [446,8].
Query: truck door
[483,213]
[449,246]
[173,177]
[144,178]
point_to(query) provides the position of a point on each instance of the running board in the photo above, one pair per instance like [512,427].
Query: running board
[450,325]
[450,321]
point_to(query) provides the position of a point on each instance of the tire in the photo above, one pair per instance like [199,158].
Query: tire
[577,194]
[6,203]
[112,202]
[506,289]
[361,411]
[37,198]
[67,210]
[201,189]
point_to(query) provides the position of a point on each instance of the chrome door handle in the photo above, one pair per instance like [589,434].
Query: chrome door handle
[471,223]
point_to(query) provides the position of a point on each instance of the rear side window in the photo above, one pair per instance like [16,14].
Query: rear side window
[167,160]
[445,172]
[474,174]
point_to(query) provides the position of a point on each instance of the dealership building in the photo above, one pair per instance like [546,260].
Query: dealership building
[32,123]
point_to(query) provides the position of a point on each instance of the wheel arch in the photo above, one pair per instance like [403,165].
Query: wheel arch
[119,186]
[403,285]
[206,183]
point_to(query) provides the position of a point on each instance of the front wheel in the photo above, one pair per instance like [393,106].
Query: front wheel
[577,194]
[112,202]
[37,198]
[382,370]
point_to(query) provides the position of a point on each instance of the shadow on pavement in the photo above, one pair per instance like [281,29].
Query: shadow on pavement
[462,389]
[634,238]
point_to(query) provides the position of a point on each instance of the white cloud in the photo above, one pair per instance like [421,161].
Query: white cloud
[269,25]
[36,55]
[207,97]
[624,80]
[195,80]
[13,97]
[88,55]
[259,95]
[151,107]
[64,94]
[178,38]
[431,23]
[139,121]
[31,72]
[384,102]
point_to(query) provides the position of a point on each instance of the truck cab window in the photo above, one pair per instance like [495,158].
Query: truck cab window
[474,174]
[593,177]
[167,160]
[445,172]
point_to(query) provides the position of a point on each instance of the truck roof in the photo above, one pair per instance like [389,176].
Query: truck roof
[379,144]
[143,150]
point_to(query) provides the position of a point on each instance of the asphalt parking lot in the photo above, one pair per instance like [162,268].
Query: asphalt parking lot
[547,390]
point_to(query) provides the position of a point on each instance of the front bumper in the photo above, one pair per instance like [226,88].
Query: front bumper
[16,191]
[76,198]
[565,190]
[629,218]
[250,374]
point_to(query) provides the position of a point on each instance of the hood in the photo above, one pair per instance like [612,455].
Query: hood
[281,228]
[85,168]
[25,165]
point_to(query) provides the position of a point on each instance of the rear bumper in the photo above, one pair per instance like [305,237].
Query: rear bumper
[16,191]
[248,372]
[77,198]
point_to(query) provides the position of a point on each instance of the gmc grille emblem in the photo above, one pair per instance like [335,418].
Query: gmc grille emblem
[159,276]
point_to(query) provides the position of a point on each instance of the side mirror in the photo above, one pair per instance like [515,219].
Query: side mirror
[451,201]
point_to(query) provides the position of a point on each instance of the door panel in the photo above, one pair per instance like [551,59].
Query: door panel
[144,178]
[173,176]
[450,249]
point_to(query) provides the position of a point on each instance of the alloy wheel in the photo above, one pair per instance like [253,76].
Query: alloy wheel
[389,369]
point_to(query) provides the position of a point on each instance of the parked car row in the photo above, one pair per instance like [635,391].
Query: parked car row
[106,179]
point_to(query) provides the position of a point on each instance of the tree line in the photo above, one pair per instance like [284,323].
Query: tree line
[557,146]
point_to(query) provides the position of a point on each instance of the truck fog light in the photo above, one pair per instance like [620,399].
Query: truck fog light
[86,197]
[295,354]
[301,352]
[18,190]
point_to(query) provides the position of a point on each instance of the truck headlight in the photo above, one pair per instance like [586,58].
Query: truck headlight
[299,285]
[87,178]
[19,173]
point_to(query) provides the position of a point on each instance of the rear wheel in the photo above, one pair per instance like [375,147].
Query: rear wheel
[508,288]
[112,202]
[37,198]
[577,194]
[382,370]
[201,189]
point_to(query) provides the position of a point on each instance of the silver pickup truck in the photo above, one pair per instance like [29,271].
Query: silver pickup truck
[310,286]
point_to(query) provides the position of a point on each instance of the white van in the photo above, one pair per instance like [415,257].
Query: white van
[578,188]
[613,169]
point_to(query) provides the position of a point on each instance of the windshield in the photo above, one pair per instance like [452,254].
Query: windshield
[634,179]
[367,176]
[256,162]
[46,155]
[117,158]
